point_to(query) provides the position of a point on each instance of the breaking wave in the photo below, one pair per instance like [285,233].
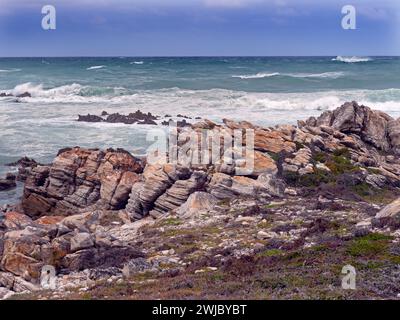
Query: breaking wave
[215,103]
[95,67]
[9,70]
[257,76]
[324,75]
[351,59]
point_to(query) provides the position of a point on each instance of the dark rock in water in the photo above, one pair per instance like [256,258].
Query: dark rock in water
[179,124]
[90,118]
[3,94]
[24,165]
[183,116]
[135,117]
[148,121]
[142,116]
[119,118]
[24,95]
[183,123]
[167,116]
[8,183]
[23,162]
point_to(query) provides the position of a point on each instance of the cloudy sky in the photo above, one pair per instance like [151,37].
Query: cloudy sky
[199,28]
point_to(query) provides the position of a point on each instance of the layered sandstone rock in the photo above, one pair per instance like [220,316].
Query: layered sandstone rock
[80,178]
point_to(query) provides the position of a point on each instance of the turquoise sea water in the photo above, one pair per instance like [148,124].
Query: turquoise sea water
[267,91]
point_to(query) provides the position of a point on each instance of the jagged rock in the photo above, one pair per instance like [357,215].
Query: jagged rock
[376,180]
[394,135]
[79,178]
[198,201]
[81,241]
[204,124]
[25,166]
[220,186]
[5,293]
[223,186]
[15,220]
[392,210]
[99,258]
[24,95]
[370,125]
[90,118]
[272,141]
[157,180]
[19,248]
[8,183]
[300,162]
[178,193]
[135,266]
[256,163]
[136,117]
[15,283]
[274,186]
[81,222]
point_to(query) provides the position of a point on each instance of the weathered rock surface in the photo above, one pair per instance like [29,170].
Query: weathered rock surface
[392,210]
[8,183]
[80,178]
[79,214]
[371,126]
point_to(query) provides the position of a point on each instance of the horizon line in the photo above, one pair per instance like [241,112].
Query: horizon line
[201,56]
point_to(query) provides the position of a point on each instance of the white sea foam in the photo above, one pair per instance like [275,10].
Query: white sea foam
[95,67]
[324,75]
[329,75]
[137,62]
[37,90]
[9,70]
[257,76]
[214,103]
[351,59]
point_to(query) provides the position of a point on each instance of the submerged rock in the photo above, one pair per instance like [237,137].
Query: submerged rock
[8,183]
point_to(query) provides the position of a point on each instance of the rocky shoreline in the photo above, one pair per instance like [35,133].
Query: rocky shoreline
[323,194]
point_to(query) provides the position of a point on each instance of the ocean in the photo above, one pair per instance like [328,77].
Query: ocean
[263,90]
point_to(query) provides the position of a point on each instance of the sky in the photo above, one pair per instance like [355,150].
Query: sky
[199,28]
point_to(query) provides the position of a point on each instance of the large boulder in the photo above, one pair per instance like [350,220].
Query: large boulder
[370,125]
[80,178]
[8,183]
[197,202]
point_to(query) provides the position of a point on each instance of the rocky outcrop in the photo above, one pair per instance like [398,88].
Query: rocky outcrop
[136,117]
[21,95]
[75,243]
[372,126]
[81,211]
[8,183]
[80,178]
[24,166]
